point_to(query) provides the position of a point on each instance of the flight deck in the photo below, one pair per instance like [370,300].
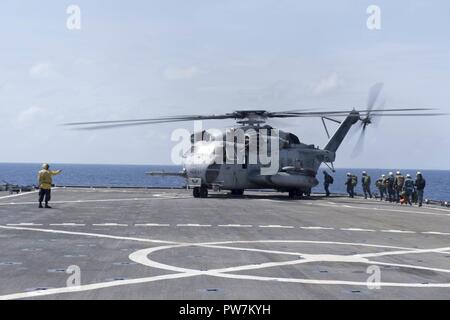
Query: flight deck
[164,244]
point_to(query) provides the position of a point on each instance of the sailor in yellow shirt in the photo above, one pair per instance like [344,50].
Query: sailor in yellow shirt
[45,184]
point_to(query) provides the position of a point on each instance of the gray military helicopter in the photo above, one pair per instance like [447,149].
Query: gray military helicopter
[297,163]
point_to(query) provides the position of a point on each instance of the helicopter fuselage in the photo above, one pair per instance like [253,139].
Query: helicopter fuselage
[297,167]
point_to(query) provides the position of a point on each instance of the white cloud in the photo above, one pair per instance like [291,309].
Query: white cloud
[327,84]
[28,116]
[177,73]
[42,70]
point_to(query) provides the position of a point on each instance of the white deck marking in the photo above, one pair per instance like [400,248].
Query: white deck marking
[383,209]
[317,228]
[141,256]
[357,229]
[193,225]
[97,235]
[397,231]
[277,226]
[19,195]
[152,225]
[89,287]
[67,224]
[235,225]
[271,226]
[23,224]
[436,233]
[94,201]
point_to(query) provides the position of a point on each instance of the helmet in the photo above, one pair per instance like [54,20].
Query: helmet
[383,175]
[419,173]
[45,166]
[398,172]
[391,173]
[364,173]
[408,175]
[348,174]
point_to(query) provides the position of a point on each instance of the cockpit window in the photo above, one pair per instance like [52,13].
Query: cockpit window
[293,139]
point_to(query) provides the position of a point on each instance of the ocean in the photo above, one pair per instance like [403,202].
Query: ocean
[94,175]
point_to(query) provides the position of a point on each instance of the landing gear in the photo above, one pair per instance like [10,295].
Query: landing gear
[295,194]
[308,193]
[237,192]
[200,192]
[196,192]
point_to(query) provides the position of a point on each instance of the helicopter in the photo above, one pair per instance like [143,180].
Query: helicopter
[210,162]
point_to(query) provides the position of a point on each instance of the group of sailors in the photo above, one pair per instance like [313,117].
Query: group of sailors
[393,188]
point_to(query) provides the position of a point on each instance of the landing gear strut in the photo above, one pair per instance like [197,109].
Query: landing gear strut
[200,192]
[295,194]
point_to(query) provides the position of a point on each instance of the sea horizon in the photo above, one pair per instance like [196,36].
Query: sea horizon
[133,175]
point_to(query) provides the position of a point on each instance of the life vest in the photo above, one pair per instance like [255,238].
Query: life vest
[354,181]
[409,185]
[399,181]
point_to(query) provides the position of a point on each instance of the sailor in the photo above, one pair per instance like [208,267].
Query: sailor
[398,185]
[45,184]
[381,185]
[366,184]
[420,184]
[328,179]
[408,189]
[350,186]
[389,184]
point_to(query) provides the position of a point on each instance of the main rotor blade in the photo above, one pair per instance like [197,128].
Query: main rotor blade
[122,125]
[168,119]
[93,125]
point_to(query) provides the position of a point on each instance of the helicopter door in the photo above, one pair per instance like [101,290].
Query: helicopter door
[232,171]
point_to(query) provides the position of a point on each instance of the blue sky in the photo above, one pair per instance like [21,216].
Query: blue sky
[153,58]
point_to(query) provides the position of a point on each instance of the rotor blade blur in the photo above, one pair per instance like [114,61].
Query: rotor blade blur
[376,121]
[359,147]
[374,93]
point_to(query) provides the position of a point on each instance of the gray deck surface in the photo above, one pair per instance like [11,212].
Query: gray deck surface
[163,244]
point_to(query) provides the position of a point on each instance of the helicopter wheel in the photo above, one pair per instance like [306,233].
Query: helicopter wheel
[196,192]
[203,192]
[237,192]
[295,194]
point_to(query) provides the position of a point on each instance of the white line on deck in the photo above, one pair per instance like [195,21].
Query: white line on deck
[276,226]
[357,229]
[316,228]
[110,225]
[193,225]
[152,225]
[437,233]
[235,225]
[67,224]
[19,195]
[23,224]
[397,231]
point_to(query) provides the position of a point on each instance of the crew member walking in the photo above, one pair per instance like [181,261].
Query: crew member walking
[327,180]
[45,184]
[420,184]
[381,185]
[350,187]
[408,189]
[366,185]
[398,185]
[389,183]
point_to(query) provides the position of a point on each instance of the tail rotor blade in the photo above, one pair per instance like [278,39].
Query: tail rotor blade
[359,147]
[374,93]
